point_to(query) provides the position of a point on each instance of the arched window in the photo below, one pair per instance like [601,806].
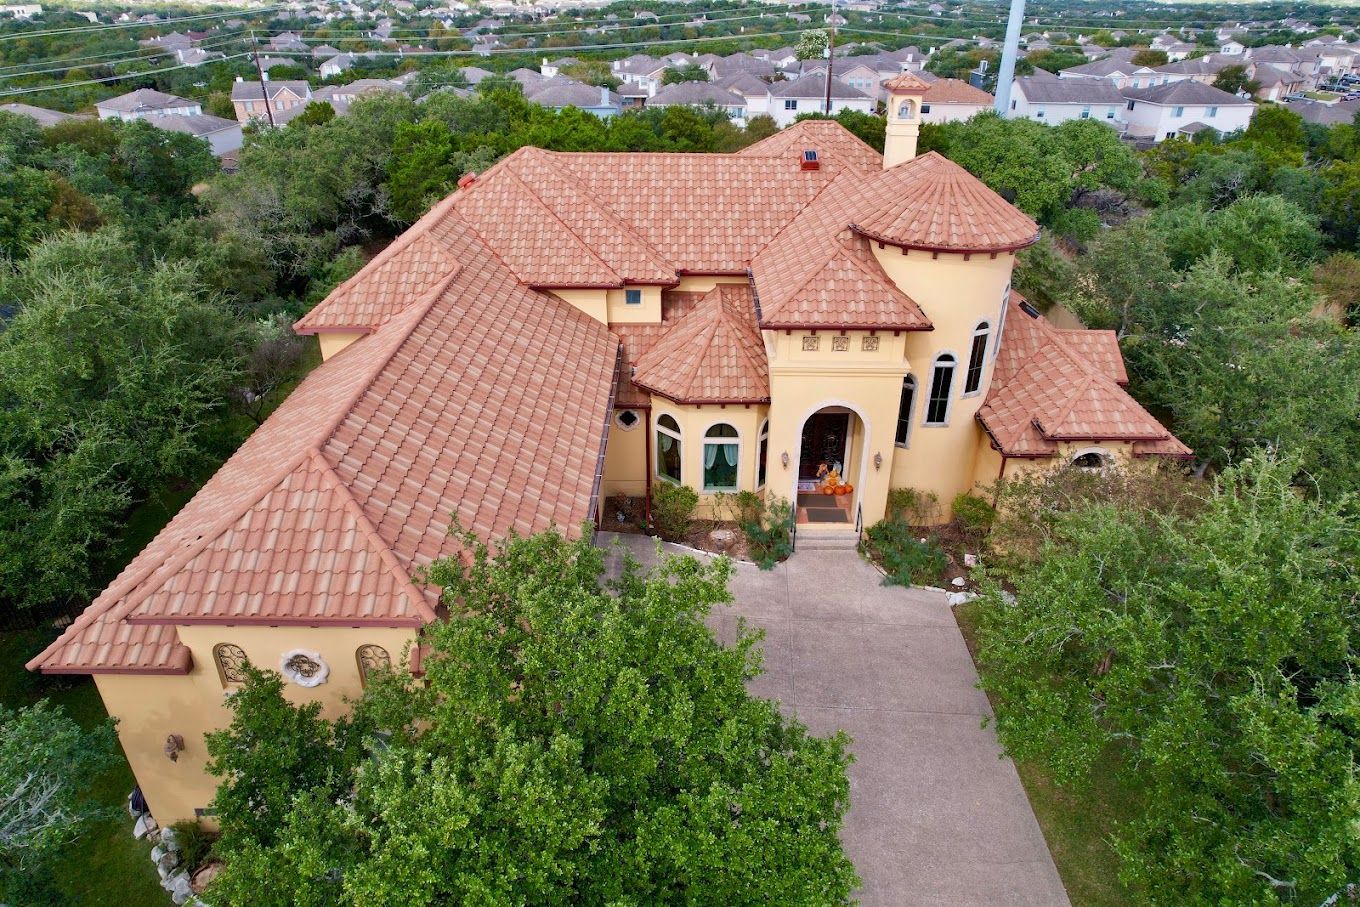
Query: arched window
[1091,459]
[904,110]
[668,448]
[941,382]
[977,358]
[371,658]
[764,453]
[720,458]
[904,409]
[231,662]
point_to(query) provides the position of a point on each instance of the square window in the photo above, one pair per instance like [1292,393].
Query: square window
[632,297]
[790,104]
[1178,112]
[925,108]
[1211,112]
[1086,112]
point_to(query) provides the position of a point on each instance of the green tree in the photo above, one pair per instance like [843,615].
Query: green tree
[46,763]
[571,742]
[1209,660]
[1234,79]
[690,72]
[812,44]
[1149,58]
[316,113]
[109,376]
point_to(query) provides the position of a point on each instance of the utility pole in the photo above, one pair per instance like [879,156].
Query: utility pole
[1006,72]
[830,55]
[264,87]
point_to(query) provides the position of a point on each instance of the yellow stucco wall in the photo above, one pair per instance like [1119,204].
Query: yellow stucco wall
[648,311]
[694,422]
[625,469]
[333,342]
[696,283]
[956,294]
[592,302]
[148,708]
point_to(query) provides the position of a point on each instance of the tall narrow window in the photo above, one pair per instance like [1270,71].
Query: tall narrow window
[941,381]
[371,658]
[764,453]
[904,410]
[231,662]
[977,358]
[720,458]
[668,448]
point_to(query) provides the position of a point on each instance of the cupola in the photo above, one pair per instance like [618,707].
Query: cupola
[904,118]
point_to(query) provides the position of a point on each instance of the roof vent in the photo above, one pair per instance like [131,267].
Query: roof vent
[467,179]
[810,161]
[1029,310]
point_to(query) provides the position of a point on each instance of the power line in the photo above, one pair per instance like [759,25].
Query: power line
[89,28]
[120,57]
[132,75]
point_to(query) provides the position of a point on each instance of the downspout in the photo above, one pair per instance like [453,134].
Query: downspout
[595,509]
[647,471]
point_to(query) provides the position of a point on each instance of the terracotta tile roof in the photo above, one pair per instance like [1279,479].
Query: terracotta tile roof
[331,507]
[1100,349]
[907,82]
[1045,389]
[637,339]
[835,145]
[398,276]
[955,91]
[712,355]
[932,203]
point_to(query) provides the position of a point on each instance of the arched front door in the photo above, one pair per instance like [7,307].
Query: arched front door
[829,453]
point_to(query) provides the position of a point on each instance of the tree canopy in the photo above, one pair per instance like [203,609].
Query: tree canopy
[1209,655]
[572,741]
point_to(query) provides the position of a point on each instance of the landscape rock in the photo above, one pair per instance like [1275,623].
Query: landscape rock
[970,560]
[145,826]
[961,598]
[169,840]
[179,886]
[205,875]
[958,582]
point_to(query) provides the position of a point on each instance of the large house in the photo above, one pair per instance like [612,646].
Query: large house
[261,102]
[1055,101]
[144,103]
[569,326]
[1184,108]
[808,94]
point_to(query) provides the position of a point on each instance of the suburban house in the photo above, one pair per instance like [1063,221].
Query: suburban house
[222,135]
[146,102]
[560,92]
[1119,70]
[1183,108]
[570,326]
[701,94]
[1054,101]
[808,95]
[333,65]
[755,92]
[947,100]
[41,115]
[255,101]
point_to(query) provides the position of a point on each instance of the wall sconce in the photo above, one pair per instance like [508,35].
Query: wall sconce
[878,461]
[784,458]
[174,745]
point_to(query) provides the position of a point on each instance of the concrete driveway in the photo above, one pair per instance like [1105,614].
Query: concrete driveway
[936,815]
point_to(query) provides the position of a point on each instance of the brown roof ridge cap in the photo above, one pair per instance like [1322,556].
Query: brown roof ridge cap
[555,216]
[419,230]
[625,229]
[385,553]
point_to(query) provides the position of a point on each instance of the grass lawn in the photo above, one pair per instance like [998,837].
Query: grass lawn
[1076,823]
[107,866]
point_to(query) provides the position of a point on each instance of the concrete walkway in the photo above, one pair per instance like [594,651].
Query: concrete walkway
[936,817]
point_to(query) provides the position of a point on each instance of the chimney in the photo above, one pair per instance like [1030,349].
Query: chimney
[904,118]
[604,96]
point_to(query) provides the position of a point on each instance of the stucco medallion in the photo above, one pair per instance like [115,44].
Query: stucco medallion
[304,668]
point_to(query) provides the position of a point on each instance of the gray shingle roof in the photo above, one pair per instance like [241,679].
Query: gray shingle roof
[42,115]
[696,94]
[144,99]
[251,91]
[1047,90]
[563,92]
[198,125]
[814,86]
[1186,91]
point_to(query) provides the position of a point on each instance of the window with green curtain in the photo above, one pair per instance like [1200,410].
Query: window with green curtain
[668,448]
[720,458]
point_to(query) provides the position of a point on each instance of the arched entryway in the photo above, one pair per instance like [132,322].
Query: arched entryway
[831,452]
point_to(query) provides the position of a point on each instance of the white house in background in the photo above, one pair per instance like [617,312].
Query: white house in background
[23,11]
[1054,101]
[1119,71]
[335,65]
[754,91]
[808,95]
[1232,48]
[222,135]
[948,100]
[1181,108]
[145,102]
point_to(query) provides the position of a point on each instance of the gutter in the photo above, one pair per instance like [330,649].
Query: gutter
[593,516]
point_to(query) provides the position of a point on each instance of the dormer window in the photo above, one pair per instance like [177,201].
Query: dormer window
[632,297]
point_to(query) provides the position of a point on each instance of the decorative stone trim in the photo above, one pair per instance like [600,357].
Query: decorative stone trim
[304,667]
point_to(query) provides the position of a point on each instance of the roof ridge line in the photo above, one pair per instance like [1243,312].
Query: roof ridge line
[385,553]
[807,206]
[555,216]
[625,228]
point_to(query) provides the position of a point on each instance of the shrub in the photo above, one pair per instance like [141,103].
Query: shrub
[974,514]
[767,529]
[195,842]
[919,508]
[907,560]
[673,509]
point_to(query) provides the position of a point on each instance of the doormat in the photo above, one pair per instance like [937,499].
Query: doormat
[808,484]
[827,515]
[816,500]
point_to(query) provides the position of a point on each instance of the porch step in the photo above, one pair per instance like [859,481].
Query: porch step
[826,541]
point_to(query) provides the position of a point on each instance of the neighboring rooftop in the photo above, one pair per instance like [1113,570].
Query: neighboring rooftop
[144,100]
